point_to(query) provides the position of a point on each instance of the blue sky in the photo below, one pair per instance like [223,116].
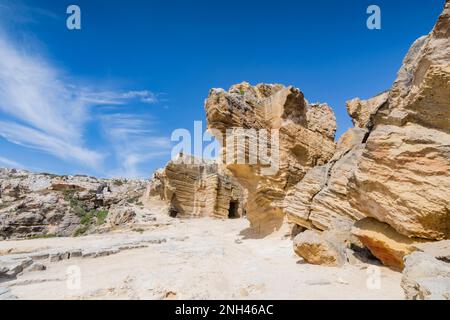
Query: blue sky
[105,99]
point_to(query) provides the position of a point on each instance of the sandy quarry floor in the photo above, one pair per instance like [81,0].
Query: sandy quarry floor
[197,259]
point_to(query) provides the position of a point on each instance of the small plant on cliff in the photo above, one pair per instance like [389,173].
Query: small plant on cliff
[101,216]
[133,200]
[81,230]
[76,205]
[97,217]
[118,183]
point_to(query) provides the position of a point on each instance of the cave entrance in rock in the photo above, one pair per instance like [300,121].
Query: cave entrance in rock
[233,210]
[173,213]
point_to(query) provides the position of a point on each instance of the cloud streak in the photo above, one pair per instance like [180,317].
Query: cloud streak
[46,110]
[42,106]
[18,12]
[117,98]
[10,163]
[32,138]
[133,141]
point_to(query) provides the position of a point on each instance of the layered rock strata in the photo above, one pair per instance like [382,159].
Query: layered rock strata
[394,165]
[196,188]
[298,135]
[403,174]
[33,205]
[321,196]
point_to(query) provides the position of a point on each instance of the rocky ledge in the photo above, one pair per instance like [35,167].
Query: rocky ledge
[45,205]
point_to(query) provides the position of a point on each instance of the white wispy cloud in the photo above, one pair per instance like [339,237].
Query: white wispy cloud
[144,95]
[18,12]
[46,114]
[10,163]
[133,141]
[48,111]
[117,98]
[32,138]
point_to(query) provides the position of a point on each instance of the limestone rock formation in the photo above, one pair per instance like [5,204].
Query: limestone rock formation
[362,111]
[403,174]
[394,165]
[321,196]
[384,242]
[305,139]
[316,248]
[438,249]
[42,204]
[426,278]
[197,188]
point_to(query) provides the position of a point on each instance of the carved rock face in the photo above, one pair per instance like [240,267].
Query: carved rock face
[321,196]
[394,165]
[33,204]
[305,139]
[197,188]
[403,175]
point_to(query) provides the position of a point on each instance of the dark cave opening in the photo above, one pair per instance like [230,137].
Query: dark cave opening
[233,210]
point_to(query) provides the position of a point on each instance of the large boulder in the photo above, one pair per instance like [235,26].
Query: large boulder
[300,136]
[317,248]
[403,174]
[394,164]
[438,249]
[322,195]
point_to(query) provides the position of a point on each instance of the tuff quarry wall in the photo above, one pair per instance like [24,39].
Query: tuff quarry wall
[321,198]
[38,204]
[197,188]
[391,170]
[403,174]
[306,139]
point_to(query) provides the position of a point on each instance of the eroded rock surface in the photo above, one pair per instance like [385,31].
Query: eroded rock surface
[197,188]
[426,278]
[317,248]
[403,175]
[321,196]
[394,165]
[384,242]
[306,139]
[33,205]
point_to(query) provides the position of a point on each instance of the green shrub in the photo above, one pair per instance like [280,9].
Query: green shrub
[86,219]
[78,207]
[118,183]
[101,216]
[81,230]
